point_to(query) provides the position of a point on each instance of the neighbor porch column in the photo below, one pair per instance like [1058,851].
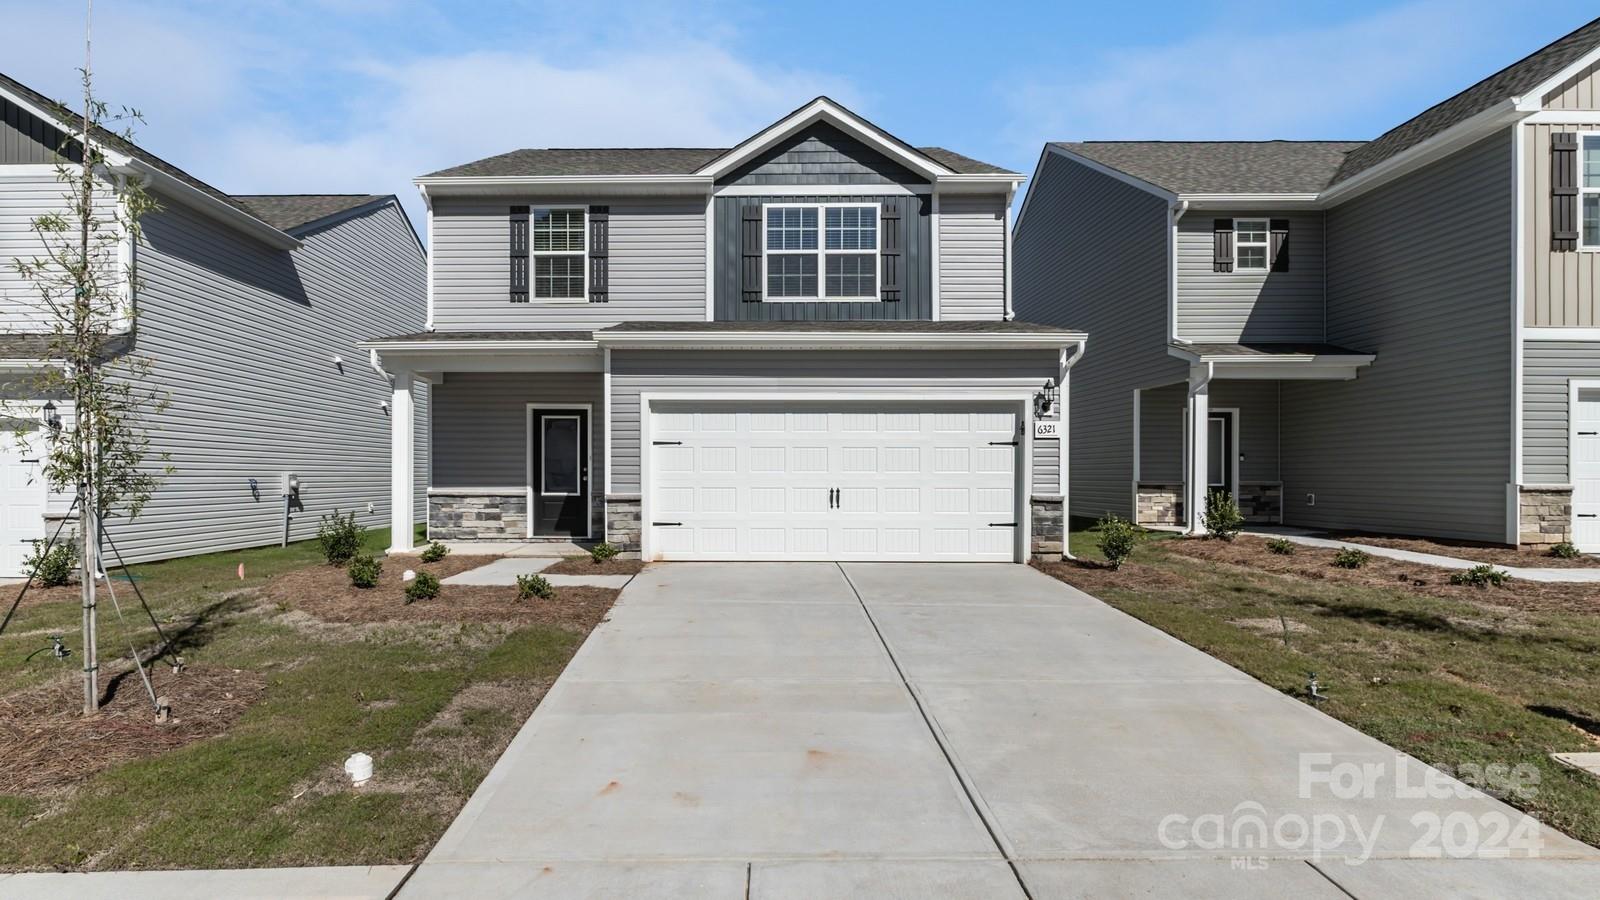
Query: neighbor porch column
[402,468]
[1197,434]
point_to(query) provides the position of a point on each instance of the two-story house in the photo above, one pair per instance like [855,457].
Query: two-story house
[800,347]
[1399,335]
[248,310]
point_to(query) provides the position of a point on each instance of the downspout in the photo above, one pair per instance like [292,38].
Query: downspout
[1177,208]
[427,201]
[1067,362]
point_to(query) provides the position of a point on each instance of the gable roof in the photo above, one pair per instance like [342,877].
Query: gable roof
[290,211]
[1221,167]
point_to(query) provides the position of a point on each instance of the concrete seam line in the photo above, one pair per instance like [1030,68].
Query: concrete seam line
[970,791]
[402,883]
[1331,880]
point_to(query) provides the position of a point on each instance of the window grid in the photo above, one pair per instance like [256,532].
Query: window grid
[1589,192]
[1250,245]
[559,247]
[845,253]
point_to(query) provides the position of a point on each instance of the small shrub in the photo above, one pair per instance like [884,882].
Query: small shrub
[54,568]
[1565,550]
[424,587]
[1222,517]
[1481,575]
[1351,558]
[364,571]
[339,537]
[435,552]
[530,586]
[1117,538]
[602,551]
[1281,546]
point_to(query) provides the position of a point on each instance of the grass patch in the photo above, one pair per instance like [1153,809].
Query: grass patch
[1450,674]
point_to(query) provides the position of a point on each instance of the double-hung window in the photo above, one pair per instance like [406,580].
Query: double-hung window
[1589,191]
[825,251]
[1250,245]
[560,253]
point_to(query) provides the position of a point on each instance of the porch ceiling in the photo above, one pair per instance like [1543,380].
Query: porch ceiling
[1294,361]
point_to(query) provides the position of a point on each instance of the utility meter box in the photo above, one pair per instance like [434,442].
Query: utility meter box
[291,484]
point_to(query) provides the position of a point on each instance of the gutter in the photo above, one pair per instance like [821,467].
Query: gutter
[205,203]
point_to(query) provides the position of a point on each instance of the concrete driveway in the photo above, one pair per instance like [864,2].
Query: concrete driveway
[893,730]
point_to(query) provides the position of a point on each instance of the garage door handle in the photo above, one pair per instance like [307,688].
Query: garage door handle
[1002,443]
[1002,524]
[665,524]
[1588,515]
[666,443]
[1580,434]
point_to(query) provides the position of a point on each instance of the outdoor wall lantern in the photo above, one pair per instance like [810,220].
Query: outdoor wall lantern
[52,419]
[1045,400]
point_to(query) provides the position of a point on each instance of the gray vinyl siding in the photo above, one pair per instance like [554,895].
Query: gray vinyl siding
[972,256]
[1250,306]
[916,295]
[657,256]
[822,154]
[733,372]
[1091,254]
[1161,428]
[1547,367]
[26,139]
[23,198]
[1420,442]
[480,426]
[241,340]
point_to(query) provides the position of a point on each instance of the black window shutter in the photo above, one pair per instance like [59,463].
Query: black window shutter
[750,250]
[890,244]
[1280,244]
[599,253]
[519,254]
[1222,245]
[1563,191]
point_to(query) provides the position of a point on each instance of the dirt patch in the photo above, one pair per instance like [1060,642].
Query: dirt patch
[1251,553]
[47,744]
[1091,576]
[1471,550]
[583,565]
[38,596]
[1271,626]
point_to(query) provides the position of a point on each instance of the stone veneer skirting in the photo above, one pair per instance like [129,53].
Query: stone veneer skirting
[1159,504]
[1545,514]
[622,521]
[1049,527]
[477,515]
[1261,501]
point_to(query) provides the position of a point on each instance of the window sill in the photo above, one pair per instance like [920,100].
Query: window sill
[821,299]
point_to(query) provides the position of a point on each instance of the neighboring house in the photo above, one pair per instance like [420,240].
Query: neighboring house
[796,348]
[1399,335]
[249,310]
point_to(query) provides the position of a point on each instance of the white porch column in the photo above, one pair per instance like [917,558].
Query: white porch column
[1197,433]
[402,468]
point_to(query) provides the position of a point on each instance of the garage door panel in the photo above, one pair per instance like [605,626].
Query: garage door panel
[22,503]
[1585,470]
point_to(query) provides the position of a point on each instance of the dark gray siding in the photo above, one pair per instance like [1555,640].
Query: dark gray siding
[840,372]
[1161,429]
[1547,367]
[26,139]
[916,295]
[1250,306]
[1419,271]
[1091,254]
[822,154]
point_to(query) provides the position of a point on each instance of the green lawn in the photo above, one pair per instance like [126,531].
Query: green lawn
[433,702]
[1472,678]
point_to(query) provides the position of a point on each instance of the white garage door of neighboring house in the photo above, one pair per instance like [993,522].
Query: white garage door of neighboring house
[22,499]
[1586,469]
[805,482]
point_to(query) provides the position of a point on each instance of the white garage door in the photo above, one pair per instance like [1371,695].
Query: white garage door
[1586,470]
[802,482]
[22,498]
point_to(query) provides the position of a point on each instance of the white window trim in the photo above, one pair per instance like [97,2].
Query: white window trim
[1265,245]
[1577,179]
[533,267]
[822,252]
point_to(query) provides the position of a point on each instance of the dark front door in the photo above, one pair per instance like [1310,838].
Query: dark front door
[1220,453]
[560,476]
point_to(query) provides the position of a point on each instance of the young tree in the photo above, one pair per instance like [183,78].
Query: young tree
[81,290]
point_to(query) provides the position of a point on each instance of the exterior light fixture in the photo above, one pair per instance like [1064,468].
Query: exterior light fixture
[1045,400]
[51,418]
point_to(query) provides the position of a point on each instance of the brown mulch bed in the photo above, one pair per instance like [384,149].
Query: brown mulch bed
[1470,550]
[1250,552]
[47,744]
[583,565]
[325,593]
[39,595]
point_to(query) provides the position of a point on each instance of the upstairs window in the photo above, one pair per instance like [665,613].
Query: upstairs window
[1589,192]
[840,263]
[560,253]
[1251,245]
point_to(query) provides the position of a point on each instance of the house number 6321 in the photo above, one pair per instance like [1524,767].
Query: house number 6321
[1046,429]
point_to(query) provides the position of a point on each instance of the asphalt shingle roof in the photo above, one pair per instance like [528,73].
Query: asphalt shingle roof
[1258,349]
[579,162]
[1222,167]
[897,326]
[467,336]
[286,212]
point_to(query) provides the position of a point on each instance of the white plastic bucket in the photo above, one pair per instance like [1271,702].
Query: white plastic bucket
[359,768]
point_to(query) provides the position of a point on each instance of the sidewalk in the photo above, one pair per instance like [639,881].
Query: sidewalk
[1303,536]
[322,883]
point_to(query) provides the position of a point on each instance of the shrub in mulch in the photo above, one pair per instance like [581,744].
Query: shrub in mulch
[47,744]
[1475,551]
[583,565]
[532,587]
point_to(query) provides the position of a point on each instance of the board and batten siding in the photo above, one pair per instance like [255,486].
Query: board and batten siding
[1548,367]
[242,340]
[25,139]
[1420,442]
[1091,254]
[937,375]
[972,256]
[26,193]
[916,288]
[1238,306]
[657,267]
[1161,428]
[1581,91]
[1560,289]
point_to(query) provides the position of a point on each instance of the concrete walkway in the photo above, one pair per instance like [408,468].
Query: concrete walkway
[1308,538]
[326,883]
[505,572]
[812,730]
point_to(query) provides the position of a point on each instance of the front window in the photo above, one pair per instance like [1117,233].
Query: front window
[1250,245]
[840,263]
[1589,190]
[559,250]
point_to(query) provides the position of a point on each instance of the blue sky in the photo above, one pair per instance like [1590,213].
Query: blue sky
[362,95]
